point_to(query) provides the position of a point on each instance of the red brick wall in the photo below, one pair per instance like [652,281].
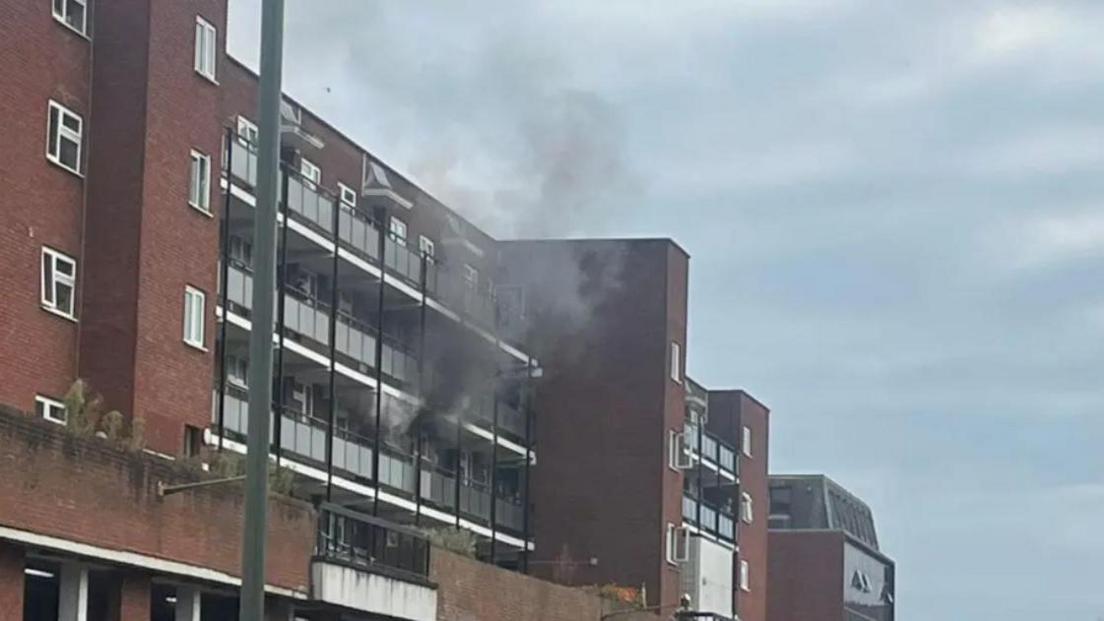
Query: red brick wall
[11,582]
[601,484]
[134,597]
[805,580]
[41,203]
[87,491]
[471,591]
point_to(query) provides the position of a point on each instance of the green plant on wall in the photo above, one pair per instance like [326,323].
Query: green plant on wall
[85,418]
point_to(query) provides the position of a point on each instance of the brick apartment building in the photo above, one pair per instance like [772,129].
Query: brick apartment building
[646,478]
[407,371]
[825,563]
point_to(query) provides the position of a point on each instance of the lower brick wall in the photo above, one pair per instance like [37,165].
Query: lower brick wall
[473,591]
[87,490]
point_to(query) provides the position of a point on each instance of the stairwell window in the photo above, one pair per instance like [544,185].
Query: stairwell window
[72,13]
[195,302]
[745,576]
[199,182]
[59,283]
[51,409]
[63,139]
[745,441]
[206,41]
[747,512]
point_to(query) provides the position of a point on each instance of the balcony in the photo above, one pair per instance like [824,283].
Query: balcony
[370,565]
[713,520]
[309,317]
[712,449]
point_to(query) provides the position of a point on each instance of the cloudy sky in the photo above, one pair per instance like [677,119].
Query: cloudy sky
[895,212]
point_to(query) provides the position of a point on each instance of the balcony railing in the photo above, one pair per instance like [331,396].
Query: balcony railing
[713,520]
[371,544]
[310,317]
[712,448]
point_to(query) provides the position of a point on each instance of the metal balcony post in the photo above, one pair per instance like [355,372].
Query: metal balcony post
[224,274]
[381,216]
[333,352]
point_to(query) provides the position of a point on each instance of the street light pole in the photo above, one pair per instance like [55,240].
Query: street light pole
[260,338]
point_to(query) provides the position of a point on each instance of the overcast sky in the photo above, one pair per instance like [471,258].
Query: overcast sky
[895,212]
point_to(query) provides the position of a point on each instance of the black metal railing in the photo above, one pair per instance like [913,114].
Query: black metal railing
[712,448]
[371,544]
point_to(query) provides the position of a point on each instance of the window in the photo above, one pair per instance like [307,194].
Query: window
[745,443]
[193,441]
[194,303]
[471,276]
[50,409]
[747,513]
[72,13]
[63,146]
[676,362]
[206,38]
[199,182]
[348,195]
[398,230]
[302,397]
[237,371]
[678,544]
[425,246]
[678,453]
[310,171]
[745,575]
[241,250]
[59,283]
[247,131]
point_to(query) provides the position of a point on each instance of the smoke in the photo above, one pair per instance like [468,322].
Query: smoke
[566,174]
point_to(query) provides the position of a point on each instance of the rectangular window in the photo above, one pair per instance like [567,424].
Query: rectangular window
[199,182]
[193,441]
[426,246]
[678,453]
[310,171]
[241,250]
[678,544]
[206,41]
[237,371]
[471,276]
[747,513]
[195,302]
[745,441]
[59,283]
[72,13]
[247,131]
[745,576]
[676,362]
[398,230]
[50,409]
[63,140]
[348,195]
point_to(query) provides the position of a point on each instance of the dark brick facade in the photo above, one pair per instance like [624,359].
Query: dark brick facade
[805,576]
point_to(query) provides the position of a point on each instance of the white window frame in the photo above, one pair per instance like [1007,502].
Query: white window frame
[745,441]
[747,509]
[248,131]
[398,230]
[677,544]
[348,195]
[745,576]
[61,14]
[676,362]
[53,142]
[426,247]
[678,452]
[50,405]
[206,49]
[471,276]
[49,290]
[310,171]
[200,197]
[195,318]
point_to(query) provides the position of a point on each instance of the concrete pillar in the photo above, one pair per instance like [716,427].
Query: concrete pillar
[73,593]
[134,597]
[188,603]
[12,562]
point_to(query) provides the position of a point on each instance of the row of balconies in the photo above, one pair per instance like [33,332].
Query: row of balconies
[310,317]
[711,448]
[358,233]
[304,438]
